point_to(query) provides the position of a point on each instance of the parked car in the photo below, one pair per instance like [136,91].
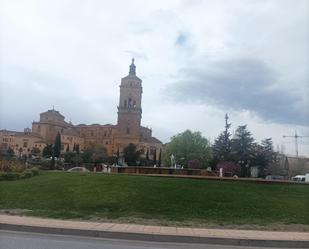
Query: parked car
[299,178]
[274,177]
[78,169]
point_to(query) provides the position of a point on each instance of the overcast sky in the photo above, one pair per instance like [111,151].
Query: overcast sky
[197,59]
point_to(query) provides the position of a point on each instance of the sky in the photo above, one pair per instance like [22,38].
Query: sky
[198,60]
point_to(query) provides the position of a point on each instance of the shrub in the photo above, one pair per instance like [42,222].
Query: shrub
[26,174]
[11,166]
[10,176]
[229,168]
[35,171]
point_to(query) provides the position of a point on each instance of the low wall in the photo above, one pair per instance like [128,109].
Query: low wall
[161,171]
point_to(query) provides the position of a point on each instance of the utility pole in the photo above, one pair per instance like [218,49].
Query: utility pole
[296,141]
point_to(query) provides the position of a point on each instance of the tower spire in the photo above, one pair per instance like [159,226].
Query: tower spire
[132,68]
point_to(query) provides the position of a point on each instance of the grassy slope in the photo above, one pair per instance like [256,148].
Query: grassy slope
[76,195]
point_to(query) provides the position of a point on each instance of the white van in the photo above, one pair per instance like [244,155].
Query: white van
[299,178]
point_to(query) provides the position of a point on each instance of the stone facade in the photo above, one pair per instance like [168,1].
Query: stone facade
[113,137]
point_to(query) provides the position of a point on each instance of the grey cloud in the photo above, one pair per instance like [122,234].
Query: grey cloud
[244,84]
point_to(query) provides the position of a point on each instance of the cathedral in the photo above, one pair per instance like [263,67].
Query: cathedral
[113,137]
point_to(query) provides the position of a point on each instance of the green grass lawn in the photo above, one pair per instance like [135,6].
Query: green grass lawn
[89,195]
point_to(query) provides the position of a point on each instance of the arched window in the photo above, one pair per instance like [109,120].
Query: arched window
[128,130]
[134,103]
[125,103]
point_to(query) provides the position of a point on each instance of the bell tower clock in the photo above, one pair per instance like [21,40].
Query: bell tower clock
[130,104]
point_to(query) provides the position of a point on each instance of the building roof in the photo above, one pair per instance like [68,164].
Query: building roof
[70,132]
[20,134]
[85,125]
[52,112]
[151,140]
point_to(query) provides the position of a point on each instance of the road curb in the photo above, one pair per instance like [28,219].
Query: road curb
[155,237]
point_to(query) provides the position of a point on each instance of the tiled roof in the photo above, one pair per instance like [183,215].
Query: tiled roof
[54,112]
[70,132]
[151,140]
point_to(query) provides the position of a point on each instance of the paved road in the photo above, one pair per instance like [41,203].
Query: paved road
[21,240]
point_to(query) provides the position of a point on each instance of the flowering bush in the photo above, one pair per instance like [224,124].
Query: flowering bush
[229,167]
[11,166]
[14,170]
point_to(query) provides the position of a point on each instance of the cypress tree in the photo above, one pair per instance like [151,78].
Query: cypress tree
[57,145]
[160,158]
[155,157]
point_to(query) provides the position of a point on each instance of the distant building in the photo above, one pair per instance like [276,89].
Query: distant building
[289,166]
[113,137]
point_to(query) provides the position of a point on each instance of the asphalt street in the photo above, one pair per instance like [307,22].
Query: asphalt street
[22,240]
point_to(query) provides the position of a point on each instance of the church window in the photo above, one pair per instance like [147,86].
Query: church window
[128,130]
[134,103]
[130,102]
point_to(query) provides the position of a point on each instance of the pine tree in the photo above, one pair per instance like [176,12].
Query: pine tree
[268,153]
[243,149]
[222,145]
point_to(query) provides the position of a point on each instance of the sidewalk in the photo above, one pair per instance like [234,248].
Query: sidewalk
[156,233]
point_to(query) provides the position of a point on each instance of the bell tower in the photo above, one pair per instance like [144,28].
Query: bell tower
[130,105]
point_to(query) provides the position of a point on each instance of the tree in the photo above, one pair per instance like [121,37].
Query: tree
[99,154]
[77,148]
[10,152]
[155,157]
[57,145]
[69,157]
[35,151]
[188,146]
[243,149]
[94,154]
[160,158]
[48,150]
[222,145]
[131,155]
[117,155]
[264,155]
